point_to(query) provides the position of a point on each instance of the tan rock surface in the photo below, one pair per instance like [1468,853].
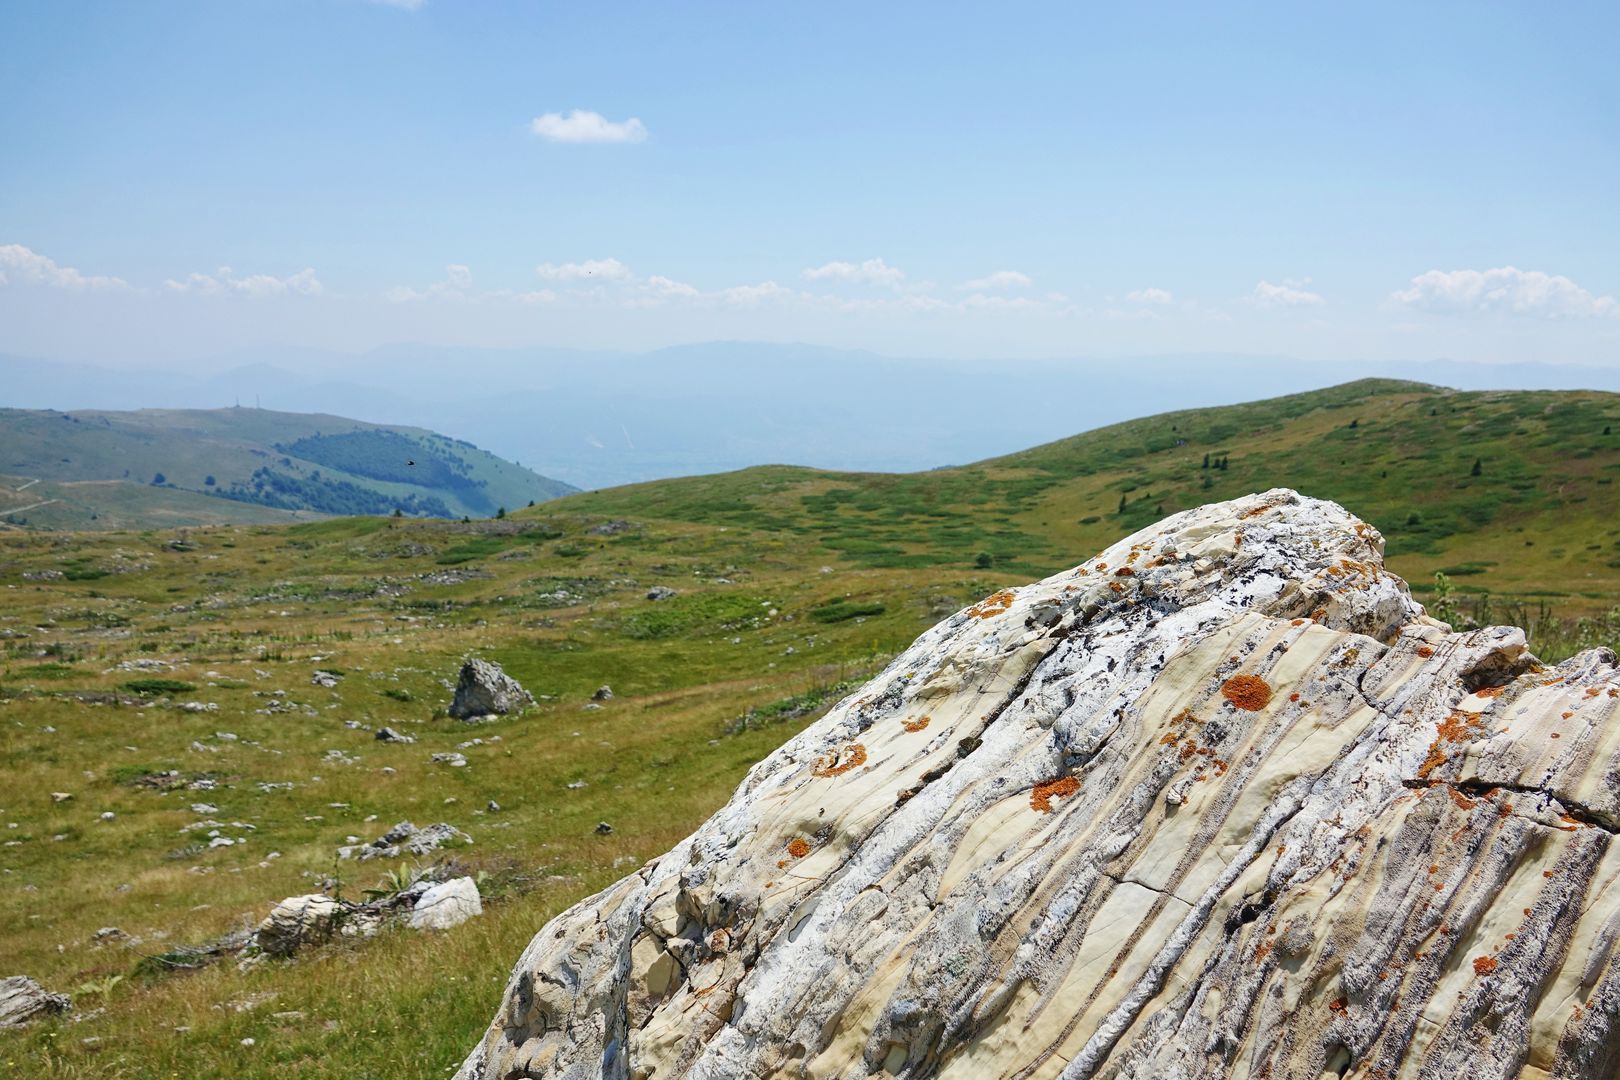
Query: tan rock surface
[1221,802]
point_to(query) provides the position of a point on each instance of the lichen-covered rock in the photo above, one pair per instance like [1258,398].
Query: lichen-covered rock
[483,689]
[22,1001]
[1221,802]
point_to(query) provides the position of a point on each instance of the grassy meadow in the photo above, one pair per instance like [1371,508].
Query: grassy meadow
[144,672]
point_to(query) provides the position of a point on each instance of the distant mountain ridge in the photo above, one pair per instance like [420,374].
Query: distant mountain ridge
[602,418]
[104,469]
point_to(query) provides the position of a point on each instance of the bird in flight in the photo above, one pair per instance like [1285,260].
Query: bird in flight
[410,462]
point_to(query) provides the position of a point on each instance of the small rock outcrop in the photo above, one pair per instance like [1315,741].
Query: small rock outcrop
[483,689]
[299,921]
[406,839]
[1220,802]
[22,1001]
[449,903]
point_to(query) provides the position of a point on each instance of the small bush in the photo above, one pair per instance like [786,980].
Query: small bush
[159,686]
[841,610]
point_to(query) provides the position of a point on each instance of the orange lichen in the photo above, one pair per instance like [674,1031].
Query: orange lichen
[1297,622]
[1453,729]
[1185,716]
[1434,868]
[1294,696]
[1124,571]
[1484,965]
[840,761]
[1261,950]
[1565,716]
[798,847]
[1250,693]
[1188,749]
[1555,735]
[1463,802]
[1319,614]
[1490,691]
[1116,586]
[1041,796]
[915,725]
[1338,1004]
[1382,975]
[1168,738]
[1425,651]
[992,605]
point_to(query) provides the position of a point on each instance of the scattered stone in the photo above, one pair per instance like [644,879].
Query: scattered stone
[609,528]
[326,679]
[661,592]
[204,808]
[483,689]
[108,933]
[493,807]
[447,904]
[452,759]
[61,796]
[22,1001]
[603,693]
[388,734]
[603,828]
[107,815]
[575,785]
[406,839]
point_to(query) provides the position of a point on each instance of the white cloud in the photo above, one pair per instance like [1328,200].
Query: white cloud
[1152,296]
[457,280]
[593,269]
[584,126]
[1001,279]
[1504,289]
[753,294]
[1004,303]
[21,266]
[224,282]
[1288,294]
[869,272]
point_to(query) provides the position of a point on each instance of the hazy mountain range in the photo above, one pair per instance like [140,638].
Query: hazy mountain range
[595,419]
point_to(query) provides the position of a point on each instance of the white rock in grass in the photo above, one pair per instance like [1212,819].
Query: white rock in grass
[447,904]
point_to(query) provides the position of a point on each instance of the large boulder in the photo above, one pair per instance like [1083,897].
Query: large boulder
[446,904]
[22,1001]
[483,689]
[1220,802]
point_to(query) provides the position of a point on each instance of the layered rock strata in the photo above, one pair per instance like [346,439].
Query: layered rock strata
[1221,802]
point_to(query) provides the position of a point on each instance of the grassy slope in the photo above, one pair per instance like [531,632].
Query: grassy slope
[121,452]
[1536,522]
[244,611]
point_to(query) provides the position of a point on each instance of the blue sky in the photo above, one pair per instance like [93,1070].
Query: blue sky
[1377,181]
